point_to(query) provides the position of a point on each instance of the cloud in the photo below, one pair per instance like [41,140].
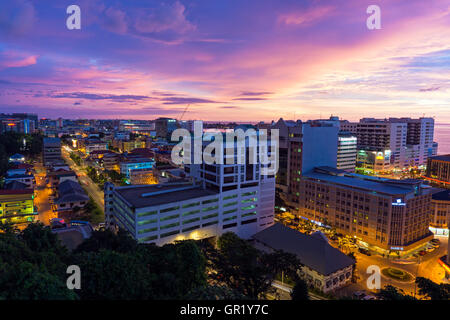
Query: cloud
[12,59]
[255,93]
[429,89]
[182,100]
[115,21]
[305,17]
[164,18]
[249,99]
[96,96]
[16,17]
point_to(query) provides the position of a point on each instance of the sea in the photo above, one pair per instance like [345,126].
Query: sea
[442,137]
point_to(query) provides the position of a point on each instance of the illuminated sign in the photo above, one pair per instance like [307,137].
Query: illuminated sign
[398,202]
[397,248]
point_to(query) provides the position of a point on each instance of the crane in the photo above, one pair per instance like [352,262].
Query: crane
[182,115]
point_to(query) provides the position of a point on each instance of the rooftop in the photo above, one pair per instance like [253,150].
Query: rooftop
[158,194]
[313,251]
[69,190]
[443,195]
[386,186]
[444,157]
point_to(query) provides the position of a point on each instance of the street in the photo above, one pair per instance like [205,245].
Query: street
[42,196]
[91,188]
[428,268]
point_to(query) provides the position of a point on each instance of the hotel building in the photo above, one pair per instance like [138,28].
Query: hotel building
[440,211]
[390,215]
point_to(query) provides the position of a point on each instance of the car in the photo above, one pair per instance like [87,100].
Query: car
[359,294]
[422,252]
[369,297]
[415,255]
[431,249]
[364,251]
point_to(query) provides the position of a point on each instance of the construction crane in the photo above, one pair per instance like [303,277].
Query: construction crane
[182,115]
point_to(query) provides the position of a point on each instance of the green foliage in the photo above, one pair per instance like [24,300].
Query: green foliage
[247,270]
[76,158]
[300,291]
[433,290]
[392,293]
[94,213]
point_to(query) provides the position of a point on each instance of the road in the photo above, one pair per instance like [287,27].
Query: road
[92,189]
[42,196]
[428,268]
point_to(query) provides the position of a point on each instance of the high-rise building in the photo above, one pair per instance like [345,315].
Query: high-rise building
[390,215]
[164,127]
[223,197]
[18,122]
[303,146]
[51,151]
[438,170]
[408,141]
[347,151]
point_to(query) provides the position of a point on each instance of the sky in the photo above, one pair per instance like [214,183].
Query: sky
[229,60]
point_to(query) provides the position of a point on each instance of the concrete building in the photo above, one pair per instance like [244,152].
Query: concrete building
[17,206]
[51,152]
[303,146]
[388,215]
[135,163]
[18,122]
[438,170]
[347,151]
[164,127]
[70,195]
[324,267]
[440,211]
[409,141]
[231,197]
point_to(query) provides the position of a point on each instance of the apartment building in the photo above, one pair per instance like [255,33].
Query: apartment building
[389,215]
[409,141]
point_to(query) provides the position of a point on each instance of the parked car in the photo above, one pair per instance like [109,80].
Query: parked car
[364,251]
[359,294]
[422,252]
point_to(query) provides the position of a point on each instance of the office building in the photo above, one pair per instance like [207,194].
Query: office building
[164,127]
[438,170]
[303,146]
[347,151]
[18,122]
[51,152]
[440,211]
[225,197]
[389,215]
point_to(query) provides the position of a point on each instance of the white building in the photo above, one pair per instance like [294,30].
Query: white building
[233,197]
[347,150]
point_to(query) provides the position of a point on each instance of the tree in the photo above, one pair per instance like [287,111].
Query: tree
[108,240]
[239,266]
[300,291]
[433,290]
[26,281]
[392,293]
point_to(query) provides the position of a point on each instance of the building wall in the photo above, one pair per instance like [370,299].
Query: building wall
[439,170]
[440,214]
[17,208]
[371,217]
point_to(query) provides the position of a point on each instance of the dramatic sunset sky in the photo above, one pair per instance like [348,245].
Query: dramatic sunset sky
[242,60]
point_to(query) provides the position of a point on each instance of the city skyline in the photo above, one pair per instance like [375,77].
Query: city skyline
[230,62]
